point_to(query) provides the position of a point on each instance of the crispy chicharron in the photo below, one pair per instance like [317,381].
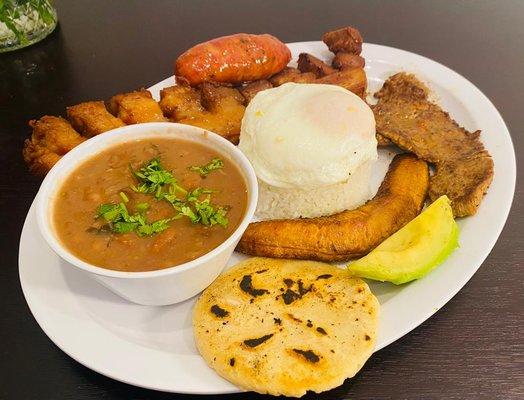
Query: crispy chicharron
[52,138]
[92,118]
[217,108]
[135,107]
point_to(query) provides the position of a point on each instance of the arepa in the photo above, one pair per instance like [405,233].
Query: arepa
[286,327]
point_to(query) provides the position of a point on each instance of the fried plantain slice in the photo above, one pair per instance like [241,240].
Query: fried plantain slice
[351,233]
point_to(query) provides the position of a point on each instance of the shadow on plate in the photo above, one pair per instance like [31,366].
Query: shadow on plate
[166,328]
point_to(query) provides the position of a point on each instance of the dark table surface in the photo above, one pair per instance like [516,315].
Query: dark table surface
[471,349]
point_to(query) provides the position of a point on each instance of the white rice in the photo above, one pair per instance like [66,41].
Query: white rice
[279,203]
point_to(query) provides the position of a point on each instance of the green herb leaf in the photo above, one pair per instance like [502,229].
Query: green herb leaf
[124,197]
[142,207]
[110,212]
[124,227]
[120,221]
[153,228]
[210,215]
[188,212]
[204,170]
[152,178]
[194,194]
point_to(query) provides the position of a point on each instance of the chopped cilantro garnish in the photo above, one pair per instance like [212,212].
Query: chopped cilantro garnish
[155,227]
[142,207]
[120,221]
[210,215]
[154,180]
[124,227]
[204,170]
[188,212]
[194,194]
[110,212]
[124,197]
[198,211]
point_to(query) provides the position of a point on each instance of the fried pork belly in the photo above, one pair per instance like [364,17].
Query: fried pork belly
[309,63]
[354,80]
[52,138]
[181,102]
[92,118]
[218,109]
[135,107]
[290,74]
[346,40]
[344,60]
[251,89]
[464,169]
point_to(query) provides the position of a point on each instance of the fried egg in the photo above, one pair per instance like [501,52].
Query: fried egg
[307,135]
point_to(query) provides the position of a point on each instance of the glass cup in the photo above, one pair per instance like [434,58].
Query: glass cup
[24,22]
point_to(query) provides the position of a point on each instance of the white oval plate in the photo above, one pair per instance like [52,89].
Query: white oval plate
[153,347]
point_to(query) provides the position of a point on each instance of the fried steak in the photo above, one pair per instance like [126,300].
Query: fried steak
[463,167]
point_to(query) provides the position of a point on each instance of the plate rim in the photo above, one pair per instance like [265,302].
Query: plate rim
[408,328]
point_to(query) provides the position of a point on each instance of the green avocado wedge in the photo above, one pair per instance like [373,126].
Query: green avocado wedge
[414,250]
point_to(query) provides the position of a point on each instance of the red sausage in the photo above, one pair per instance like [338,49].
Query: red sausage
[233,59]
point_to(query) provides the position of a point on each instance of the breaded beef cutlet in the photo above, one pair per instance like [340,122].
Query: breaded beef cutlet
[463,167]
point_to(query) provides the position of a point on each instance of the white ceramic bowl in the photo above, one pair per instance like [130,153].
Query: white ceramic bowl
[165,286]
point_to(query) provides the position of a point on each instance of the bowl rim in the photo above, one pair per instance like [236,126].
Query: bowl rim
[81,153]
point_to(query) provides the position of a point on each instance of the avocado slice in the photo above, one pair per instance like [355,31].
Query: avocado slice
[415,249]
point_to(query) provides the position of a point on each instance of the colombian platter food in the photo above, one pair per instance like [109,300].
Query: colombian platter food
[339,171]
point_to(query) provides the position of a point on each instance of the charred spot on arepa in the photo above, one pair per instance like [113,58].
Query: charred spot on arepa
[292,317]
[257,341]
[322,331]
[324,276]
[219,311]
[308,355]
[232,362]
[246,285]
[290,295]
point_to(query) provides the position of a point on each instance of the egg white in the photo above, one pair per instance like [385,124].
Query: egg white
[307,135]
